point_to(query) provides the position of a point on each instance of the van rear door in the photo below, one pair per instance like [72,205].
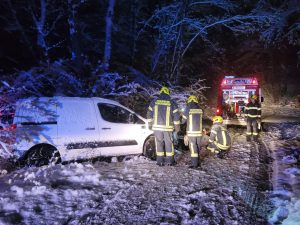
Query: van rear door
[36,122]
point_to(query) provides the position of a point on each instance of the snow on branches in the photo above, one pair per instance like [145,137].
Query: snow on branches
[135,90]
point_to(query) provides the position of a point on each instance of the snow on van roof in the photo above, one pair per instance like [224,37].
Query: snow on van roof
[63,98]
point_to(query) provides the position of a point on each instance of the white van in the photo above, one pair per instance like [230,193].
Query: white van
[78,128]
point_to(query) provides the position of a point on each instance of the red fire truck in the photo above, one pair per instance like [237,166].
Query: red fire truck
[233,96]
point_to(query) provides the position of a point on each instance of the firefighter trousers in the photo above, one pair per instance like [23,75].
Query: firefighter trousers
[252,129]
[195,148]
[164,147]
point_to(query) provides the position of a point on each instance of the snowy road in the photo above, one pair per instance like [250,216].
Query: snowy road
[136,191]
[235,190]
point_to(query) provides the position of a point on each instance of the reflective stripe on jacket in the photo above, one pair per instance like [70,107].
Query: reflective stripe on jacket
[253,110]
[193,115]
[163,113]
[220,137]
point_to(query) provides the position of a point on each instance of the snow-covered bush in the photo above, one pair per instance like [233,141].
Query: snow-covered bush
[136,91]
[48,81]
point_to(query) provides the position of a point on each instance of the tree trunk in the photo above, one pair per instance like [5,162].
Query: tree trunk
[41,33]
[134,11]
[109,24]
[74,36]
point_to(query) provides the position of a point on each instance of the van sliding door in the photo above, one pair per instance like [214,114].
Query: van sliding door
[78,130]
[120,130]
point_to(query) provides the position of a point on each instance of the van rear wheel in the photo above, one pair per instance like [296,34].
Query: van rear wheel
[149,148]
[42,155]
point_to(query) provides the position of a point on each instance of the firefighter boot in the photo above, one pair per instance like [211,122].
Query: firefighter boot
[170,161]
[221,155]
[195,162]
[159,160]
[255,138]
[248,138]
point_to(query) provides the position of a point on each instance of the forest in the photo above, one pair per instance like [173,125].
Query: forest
[117,48]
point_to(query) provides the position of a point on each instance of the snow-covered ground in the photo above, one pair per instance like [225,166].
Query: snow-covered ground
[136,191]
[283,140]
[257,183]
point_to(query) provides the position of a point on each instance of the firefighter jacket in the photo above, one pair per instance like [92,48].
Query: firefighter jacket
[220,137]
[163,113]
[193,116]
[253,110]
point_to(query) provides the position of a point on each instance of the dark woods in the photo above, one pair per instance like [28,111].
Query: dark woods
[72,47]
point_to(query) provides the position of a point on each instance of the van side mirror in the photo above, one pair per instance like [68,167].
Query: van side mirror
[261,99]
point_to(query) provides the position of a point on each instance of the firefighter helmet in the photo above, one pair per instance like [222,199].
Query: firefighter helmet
[192,98]
[165,90]
[254,96]
[217,119]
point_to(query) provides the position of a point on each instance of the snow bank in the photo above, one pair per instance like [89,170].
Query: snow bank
[284,144]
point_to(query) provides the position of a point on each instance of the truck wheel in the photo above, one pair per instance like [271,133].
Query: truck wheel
[42,155]
[149,148]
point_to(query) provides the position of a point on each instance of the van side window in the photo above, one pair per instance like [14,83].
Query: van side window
[117,114]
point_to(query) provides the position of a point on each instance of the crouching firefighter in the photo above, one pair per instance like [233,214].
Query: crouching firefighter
[219,140]
[163,115]
[193,116]
[253,115]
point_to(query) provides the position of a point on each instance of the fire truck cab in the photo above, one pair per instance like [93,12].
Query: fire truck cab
[233,96]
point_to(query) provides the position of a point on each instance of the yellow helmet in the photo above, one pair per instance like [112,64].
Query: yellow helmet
[254,96]
[192,98]
[165,90]
[217,119]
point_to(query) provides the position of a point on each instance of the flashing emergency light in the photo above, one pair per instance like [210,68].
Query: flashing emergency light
[254,81]
[218,110]
[224,82]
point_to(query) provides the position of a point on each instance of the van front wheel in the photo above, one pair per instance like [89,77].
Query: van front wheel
[149,148]
[42,155]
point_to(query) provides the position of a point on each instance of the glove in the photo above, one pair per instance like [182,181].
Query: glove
[186,140]
[259,123]
[177,128]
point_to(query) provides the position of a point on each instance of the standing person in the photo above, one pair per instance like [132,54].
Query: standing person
[193,116]
[219,140]
[253,115]
[163,115]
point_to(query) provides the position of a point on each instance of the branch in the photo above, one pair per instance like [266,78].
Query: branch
[238,18]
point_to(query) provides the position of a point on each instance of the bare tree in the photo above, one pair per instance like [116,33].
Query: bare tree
[108,29]
[181,23]
[44,26]
[76,51]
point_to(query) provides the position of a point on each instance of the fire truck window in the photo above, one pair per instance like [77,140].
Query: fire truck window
[225,96]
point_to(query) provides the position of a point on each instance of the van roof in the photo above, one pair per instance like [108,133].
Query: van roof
[63,98]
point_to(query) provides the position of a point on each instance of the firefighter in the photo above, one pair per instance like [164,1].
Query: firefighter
[163,116]
[253,115]
[219,140]
[193,116]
